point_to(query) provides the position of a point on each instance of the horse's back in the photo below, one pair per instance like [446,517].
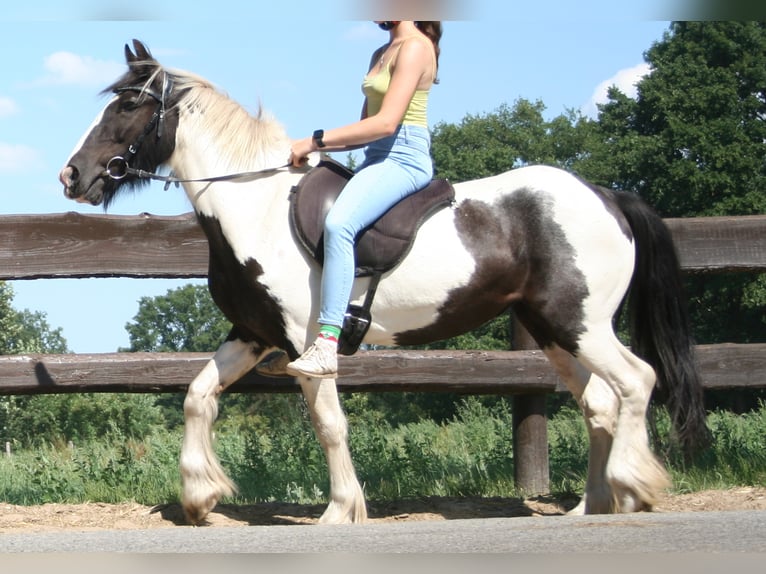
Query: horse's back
[578,209]
[541,179]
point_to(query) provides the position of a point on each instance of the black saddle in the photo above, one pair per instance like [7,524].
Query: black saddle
[378,248]
[382,245]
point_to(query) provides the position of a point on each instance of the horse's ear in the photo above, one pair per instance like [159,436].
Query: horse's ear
[142,53]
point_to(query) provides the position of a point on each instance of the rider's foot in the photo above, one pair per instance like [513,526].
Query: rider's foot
[319,360]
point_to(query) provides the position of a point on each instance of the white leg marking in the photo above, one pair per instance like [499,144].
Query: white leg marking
[346,496]
[204,481]
[599,407]
[635,475]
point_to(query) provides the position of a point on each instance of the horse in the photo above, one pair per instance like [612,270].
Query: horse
[561,253]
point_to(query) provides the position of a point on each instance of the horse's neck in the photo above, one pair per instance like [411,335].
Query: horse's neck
[200,154]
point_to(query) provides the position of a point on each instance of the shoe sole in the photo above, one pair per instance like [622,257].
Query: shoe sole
[297,372]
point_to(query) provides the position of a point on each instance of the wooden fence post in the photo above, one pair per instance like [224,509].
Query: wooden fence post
[530,428]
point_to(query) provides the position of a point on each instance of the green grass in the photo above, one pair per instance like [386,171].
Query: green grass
[471,454]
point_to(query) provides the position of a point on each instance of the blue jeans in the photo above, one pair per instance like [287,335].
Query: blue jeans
[393,168]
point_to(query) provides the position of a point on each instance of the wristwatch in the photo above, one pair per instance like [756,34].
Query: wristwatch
[317,137]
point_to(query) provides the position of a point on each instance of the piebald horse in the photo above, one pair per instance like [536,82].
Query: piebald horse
[562,253]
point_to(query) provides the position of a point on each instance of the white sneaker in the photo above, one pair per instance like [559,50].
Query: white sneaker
[319,360]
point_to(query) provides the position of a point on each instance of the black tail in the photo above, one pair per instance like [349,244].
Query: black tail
[659,323]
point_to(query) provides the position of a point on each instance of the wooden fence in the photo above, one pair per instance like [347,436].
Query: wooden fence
[71,245]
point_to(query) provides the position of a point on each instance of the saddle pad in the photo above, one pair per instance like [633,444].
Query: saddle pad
[382,245]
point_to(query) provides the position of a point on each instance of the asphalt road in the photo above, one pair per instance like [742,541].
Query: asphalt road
[692,533]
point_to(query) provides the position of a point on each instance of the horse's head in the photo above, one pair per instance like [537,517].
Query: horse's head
[135,131]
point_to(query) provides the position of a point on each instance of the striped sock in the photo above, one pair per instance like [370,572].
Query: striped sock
[329,332]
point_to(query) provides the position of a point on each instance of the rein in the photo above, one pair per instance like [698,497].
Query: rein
[119,168]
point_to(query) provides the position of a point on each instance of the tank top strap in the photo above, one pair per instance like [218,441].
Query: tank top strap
[430,47]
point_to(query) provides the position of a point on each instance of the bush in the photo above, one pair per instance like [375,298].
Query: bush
[470,454]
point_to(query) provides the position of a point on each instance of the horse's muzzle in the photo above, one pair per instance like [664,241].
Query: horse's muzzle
[70,179]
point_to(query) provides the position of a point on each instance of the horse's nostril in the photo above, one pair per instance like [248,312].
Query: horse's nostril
[68,176]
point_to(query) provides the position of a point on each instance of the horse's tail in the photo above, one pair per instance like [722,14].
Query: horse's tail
[660,329]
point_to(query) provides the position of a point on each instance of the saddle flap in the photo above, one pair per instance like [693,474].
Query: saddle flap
[382,245]
[312,199]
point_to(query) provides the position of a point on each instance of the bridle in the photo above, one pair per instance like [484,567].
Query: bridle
[119,168]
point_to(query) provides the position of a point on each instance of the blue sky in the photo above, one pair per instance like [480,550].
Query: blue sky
[305,70]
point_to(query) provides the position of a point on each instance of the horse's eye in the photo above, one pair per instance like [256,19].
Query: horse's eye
[128,105]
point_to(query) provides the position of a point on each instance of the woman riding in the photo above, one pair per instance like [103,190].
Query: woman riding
[397,162]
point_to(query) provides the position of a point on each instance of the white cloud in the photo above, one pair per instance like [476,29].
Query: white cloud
[7,107]
[66,68]
[625,80]
[364,31]
[18,158]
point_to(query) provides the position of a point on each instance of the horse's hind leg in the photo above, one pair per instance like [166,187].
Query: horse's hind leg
[634,474]
[346,497]
[599,405]
[204,481]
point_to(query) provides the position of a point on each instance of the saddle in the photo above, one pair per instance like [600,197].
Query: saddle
[378,248]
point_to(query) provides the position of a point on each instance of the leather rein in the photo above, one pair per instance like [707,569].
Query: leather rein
[119,168]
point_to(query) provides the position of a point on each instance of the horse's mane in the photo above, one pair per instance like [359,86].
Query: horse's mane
[240,137]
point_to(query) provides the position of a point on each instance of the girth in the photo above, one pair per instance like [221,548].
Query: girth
[377,249]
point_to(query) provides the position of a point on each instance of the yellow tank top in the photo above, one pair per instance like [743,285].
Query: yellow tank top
[375,87]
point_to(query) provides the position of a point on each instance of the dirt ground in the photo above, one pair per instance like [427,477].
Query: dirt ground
[99,516]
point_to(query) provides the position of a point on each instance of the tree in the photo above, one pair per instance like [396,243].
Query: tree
[509,137]
[26,331]
[692,144]
[184,319]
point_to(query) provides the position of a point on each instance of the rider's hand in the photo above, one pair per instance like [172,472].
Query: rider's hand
[299,151]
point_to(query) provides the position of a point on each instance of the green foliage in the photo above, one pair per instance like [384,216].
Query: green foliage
[568,448]
[184,319]
[737,455]
[111,468]
[25,331]
[10,329]
[30,421]
[692,143]
[470,454]
[510,137]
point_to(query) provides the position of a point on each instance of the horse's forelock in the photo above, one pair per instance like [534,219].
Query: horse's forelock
[137,76]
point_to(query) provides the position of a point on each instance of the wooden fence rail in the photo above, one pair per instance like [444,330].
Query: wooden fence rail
[73,245]
[76,245]
[724,366]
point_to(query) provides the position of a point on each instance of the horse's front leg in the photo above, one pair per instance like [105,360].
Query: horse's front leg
[346,497]
[204,481]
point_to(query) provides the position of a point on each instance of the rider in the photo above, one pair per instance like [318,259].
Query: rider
[397,162]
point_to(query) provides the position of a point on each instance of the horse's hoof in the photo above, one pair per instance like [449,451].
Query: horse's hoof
[196,514]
